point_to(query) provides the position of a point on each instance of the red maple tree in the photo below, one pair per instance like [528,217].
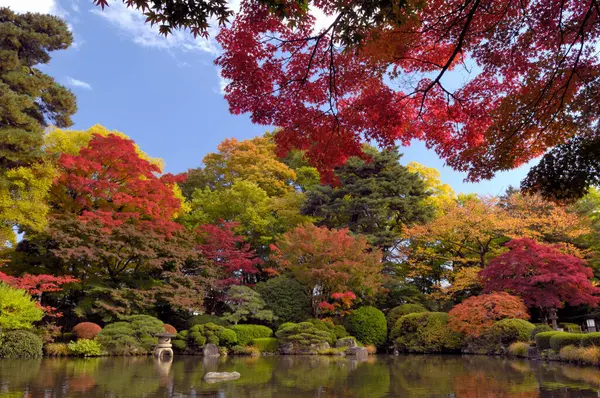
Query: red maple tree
[37,285]
[110,183]
[541,275]
[478,313]
[525,76]
[228,251]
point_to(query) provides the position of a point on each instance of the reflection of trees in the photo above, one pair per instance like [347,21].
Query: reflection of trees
[131,377]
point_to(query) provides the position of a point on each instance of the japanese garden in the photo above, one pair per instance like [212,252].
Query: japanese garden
[312,260]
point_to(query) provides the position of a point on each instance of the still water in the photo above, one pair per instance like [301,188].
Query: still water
[298,377]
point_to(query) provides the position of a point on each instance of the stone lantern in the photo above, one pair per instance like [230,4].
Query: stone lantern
[553,318]
[164,345]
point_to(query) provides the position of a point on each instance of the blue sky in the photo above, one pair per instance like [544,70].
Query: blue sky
[165,93]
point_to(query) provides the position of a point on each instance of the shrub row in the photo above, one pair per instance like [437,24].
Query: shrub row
[247,333]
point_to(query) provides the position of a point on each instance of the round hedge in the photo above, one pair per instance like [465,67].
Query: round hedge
[86,330]
[368,325]
[395,313]
[563,339]
[425,332]
[508,331]
[303,334]
[20,344]
[542,340]
[539,329]
[247,333]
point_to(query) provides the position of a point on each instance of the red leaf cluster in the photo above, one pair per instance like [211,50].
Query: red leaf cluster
[476,314]
[526,69]
[110,183]
[228,251]
[541,275]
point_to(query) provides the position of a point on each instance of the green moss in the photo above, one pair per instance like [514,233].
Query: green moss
[246,333]
[368,325]
[425,332]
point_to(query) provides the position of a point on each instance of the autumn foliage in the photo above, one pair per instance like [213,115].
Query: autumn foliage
[477,313]
[86,330]
[541,275]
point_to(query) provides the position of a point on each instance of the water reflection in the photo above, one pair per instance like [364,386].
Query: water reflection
[376,377]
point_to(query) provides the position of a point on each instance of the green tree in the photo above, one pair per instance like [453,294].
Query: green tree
[30,100]
[246,304]
[287,298]
[375,198]
[17,309]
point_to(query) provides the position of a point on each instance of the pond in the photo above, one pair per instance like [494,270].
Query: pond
[282,377]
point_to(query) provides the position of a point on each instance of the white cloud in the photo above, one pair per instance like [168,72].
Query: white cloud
[131,22]
[322,20]
[41,6]
[78,83]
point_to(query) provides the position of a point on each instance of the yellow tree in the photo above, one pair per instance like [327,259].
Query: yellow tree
[440,194]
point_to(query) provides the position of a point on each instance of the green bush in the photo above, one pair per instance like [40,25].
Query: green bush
[266,344]
[507,331]
[179,345]
[395,313]
[539,329]
[20,344]
[563,339]
[425,332]
[542,340]
[590,339]
[85,348]
[209,333]
[335,331]
[196,338]
[570,327]
[205,318]
[287,298]
[368,325]
[227,337]
[303,333]
[135,335]
[56,349]
[246,333]
[17,309]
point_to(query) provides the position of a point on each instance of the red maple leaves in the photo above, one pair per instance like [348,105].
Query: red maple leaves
[110,183]
[527,70]
[541,275]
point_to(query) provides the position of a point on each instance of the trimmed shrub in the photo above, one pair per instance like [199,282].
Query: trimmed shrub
[335,331]
[507,331]
[563,339]
[196,338]
[425,332]
[246,333]
[287,298]
[179,345]
[206,318]
[590,339]
[570,327]
[17,309]
[542,340]
[395,313]
[266,344]
[169,328]
[539,329]
[20,344]
[519,349]
[200,335]
[303,333]
[86,330]
[368,325]
[56,349]
[85,348]
[245,350]
[227,337]
[134,336]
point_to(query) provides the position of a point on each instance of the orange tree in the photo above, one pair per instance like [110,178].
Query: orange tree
[328,261]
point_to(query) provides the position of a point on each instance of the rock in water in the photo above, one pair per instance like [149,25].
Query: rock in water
[221,376]
[359,352]
[210,350]
[345,342]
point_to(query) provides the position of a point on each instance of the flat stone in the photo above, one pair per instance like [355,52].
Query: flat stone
[210,350]
[221,376]
[360,352]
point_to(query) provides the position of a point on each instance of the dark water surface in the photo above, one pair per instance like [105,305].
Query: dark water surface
[298,377]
